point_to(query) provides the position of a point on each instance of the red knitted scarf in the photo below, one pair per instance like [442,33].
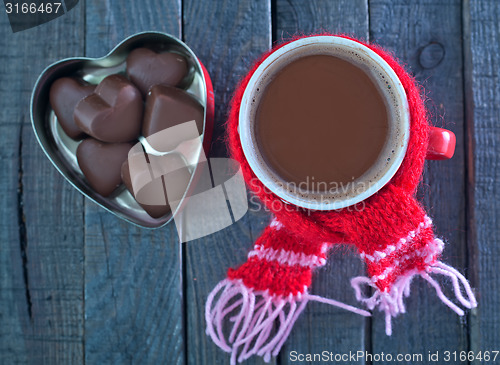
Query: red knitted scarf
[263,297]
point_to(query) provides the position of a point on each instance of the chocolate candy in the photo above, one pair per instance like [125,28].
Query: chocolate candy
[65,93]
[147,68]
[155,180]
[155,187]
[101,163]
[113,113]
[166,107]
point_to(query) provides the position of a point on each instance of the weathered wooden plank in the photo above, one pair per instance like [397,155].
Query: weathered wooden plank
[227,36]
[41,249]
[426,35]
[307,17]
[133,296]
[481,33]
[323,327]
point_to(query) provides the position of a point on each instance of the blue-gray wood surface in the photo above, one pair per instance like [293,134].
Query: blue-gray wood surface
[78,285]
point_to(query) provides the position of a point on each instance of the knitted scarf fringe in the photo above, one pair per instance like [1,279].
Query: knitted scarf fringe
[391,301]
[261,322]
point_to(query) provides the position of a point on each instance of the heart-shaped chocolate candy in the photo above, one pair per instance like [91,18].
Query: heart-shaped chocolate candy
[101,163]
[167,106]
[147,68]
[113,113]
[156,184]
[65,93]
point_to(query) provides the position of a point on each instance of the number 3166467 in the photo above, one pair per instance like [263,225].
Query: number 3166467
[32,8]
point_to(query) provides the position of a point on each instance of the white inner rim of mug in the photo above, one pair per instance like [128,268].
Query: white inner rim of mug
[392,153]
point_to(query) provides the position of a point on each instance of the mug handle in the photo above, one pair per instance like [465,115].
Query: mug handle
[441,144]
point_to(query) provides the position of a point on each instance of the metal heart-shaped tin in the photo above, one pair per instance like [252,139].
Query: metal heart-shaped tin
[61,149]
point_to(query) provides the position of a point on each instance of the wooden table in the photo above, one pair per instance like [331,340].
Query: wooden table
[78,285]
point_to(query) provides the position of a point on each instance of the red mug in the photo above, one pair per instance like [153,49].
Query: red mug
[441,142]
